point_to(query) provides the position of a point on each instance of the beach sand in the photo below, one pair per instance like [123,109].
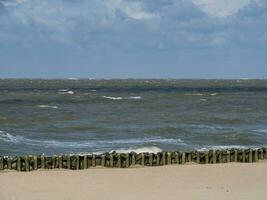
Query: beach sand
[219,181]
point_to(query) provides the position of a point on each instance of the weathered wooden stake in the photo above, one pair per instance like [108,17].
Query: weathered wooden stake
[220,157]
[133,159]
[183,158]
[35,163]
[1,163]
[119,160]
[60,162]
[150,159]
[207,157]
[9,159]
[176,157]
[158,159]
[261,154]
[169,158]
[111,161]
[189,157]
[27,166]
[18,163]
[93,161]
[143,159]
[228,156]
[68,162]
[164,158]
[236,157]
[243,156]
[103,160]
[198,157]
[127,163]
[214,157]
[53,161]
[77,162]
[256,155]
[42,162]
[85,162]
[250,157]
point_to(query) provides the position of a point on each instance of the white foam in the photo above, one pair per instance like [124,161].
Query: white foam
[213,94]
[261,130]
[112,98]
[140,150]
[224,147]
[6,137]
[66,92]
[194,94]
[121,98]
[203,100]
[47,106]
[63,90]
[137,97]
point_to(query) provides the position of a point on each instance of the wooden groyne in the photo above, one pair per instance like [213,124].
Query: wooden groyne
[126,160]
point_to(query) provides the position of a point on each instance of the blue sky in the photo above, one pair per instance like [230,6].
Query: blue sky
[133,38]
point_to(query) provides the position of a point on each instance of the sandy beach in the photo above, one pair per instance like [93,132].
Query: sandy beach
[219,181]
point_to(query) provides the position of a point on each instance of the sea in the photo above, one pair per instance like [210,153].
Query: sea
[84,116]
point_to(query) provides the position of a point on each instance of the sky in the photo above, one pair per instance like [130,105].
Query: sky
[133,38]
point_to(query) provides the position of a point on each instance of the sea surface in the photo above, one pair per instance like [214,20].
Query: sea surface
[71,116]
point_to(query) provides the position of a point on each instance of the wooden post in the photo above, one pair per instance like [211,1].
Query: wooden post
[151,159]
[189,157]
[220,157]
[206,157]
[77,162]
[169,158]
[53,161]
[103,160]
[183,158]
[27,166]
[198,157]
[164,158]
[261,154]
[176,158]
[119,160]
[250,157]
[158,159]
[35,163]
[236,158]
[18,163]
[42,162]
[9,159]
[68,162]
[60,162]
[243,156]
[265,153]
[127,160]
[143,159]
[214,157]
[111,162]
[93,161]
[1,163]
[256,155]
[228,156]
[85,162]
[133,159]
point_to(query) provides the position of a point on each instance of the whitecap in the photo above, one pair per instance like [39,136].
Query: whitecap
[203,100]
[224,147]
[213,94]
[140,150]
[261,130]
[121,98]
[67,92]
[47,106]
[112,98]
[194,94]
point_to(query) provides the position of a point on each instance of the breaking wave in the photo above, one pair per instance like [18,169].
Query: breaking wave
[47,106]
[121,98]
[16,139]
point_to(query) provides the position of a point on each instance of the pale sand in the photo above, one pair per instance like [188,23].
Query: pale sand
[220,181]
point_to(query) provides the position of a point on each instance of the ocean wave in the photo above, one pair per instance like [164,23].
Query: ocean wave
[261,130]
[47,106]
[121,98]
[224,147]
[16,139]
[140,150]
[66,92]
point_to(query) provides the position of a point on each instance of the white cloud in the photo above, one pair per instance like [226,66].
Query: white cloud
[221,8]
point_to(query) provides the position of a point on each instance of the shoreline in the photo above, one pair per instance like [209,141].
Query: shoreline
[189,181]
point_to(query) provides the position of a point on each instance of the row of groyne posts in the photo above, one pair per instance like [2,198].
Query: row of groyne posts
[126,160]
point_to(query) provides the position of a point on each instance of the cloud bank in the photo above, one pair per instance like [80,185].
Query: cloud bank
[133,38]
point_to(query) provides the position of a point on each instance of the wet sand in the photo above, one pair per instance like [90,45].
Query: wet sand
[220,181]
